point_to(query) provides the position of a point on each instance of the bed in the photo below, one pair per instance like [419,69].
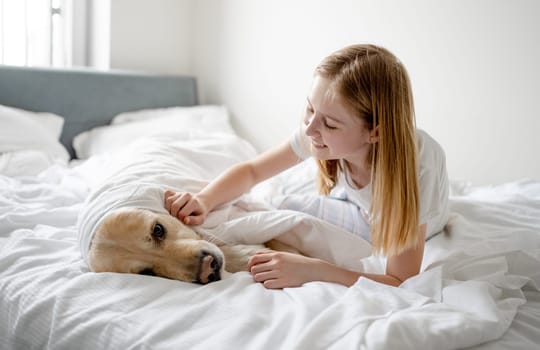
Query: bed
[61,130]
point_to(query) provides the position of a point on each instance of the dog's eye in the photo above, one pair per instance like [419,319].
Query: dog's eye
[158,232]
[148,272]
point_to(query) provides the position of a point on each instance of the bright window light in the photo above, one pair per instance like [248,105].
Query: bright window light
[35,33]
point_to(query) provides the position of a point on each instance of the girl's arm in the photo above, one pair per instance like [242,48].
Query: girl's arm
[240,178]
[408,263]
[398,268]
[281,270]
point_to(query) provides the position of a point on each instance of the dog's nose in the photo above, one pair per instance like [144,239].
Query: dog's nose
[209,268]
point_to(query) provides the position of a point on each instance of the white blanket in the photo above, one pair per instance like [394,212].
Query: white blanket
[137,176]
[472,281]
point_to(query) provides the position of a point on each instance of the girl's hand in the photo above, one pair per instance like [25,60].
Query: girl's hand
[188,208]
[281,269]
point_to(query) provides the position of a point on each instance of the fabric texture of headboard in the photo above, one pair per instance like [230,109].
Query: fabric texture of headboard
[88,98]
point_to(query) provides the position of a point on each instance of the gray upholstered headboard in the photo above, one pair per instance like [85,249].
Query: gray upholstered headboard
[88,98]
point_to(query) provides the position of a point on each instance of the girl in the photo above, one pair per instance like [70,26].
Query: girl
[360,126]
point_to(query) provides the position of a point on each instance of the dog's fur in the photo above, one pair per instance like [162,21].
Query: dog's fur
[143,242]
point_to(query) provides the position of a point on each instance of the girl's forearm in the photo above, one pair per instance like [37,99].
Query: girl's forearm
[335,274]
[231,184]
[242,177]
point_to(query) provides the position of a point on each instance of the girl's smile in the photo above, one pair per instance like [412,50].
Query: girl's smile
[334,131]
[317,145]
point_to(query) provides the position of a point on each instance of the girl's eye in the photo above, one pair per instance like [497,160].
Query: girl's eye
[330,127]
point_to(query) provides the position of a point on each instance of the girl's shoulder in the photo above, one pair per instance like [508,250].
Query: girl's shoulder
[429,150]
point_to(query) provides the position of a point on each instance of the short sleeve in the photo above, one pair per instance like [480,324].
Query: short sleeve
[433,184]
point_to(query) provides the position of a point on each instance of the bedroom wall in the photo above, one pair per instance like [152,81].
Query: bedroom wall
[151,35]
[473,65]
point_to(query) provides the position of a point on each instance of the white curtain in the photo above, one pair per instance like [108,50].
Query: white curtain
[55,33]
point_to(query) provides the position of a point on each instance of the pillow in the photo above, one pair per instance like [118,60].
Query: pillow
[127,127]
[204,116]
[25,130]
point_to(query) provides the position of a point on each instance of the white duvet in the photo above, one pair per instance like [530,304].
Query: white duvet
[137,176]
[472,282]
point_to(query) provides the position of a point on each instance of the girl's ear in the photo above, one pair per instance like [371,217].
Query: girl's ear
[374,135]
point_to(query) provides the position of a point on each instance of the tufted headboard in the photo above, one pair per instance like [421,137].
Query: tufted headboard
[88,98]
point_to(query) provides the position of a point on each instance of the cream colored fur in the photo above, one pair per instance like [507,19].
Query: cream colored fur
[142,241]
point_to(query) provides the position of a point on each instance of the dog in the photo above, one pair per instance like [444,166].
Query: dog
[141,241]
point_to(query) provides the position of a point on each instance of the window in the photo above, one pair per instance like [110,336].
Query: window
[55,33]
[36,33]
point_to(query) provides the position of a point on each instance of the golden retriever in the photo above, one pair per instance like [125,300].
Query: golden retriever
[144,242]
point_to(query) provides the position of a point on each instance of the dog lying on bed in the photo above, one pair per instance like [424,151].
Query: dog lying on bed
[124,227]
[144,242]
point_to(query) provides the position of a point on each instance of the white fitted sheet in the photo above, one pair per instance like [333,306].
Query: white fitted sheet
[478,286]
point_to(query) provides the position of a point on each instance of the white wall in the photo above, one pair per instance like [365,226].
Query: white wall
[152,35]
[98,33]
[473,65]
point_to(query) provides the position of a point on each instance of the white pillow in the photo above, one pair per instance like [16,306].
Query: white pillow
[197,116]
[25,130]
[127,127]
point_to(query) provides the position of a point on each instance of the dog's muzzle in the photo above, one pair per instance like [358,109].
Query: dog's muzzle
[209,268]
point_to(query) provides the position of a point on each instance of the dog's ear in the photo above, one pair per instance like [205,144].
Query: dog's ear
[120,216]
[110,227]
[274,244]
[123,221]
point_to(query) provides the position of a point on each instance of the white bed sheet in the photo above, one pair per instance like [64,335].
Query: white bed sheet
[474,280]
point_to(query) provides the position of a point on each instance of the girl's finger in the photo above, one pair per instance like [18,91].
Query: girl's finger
[193,220]
[190,207]
[168,199]
[273,283]
[258,258]
[263,276]
[177,205]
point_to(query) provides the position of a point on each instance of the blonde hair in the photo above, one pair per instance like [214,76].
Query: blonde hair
[372,81]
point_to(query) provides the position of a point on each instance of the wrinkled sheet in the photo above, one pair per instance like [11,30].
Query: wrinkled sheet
[474,278]
[137,176]
[27,162]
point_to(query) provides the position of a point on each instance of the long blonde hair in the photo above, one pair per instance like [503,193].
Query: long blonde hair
[376,85]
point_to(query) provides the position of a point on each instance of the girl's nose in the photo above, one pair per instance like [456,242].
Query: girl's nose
[311,125]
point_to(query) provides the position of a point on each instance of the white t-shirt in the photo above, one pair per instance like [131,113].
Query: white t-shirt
[433,181]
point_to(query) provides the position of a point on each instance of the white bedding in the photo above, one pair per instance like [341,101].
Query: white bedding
[138,175]
[475,278]
[29,141]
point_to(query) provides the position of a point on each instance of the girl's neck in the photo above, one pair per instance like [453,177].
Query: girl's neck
[360,175]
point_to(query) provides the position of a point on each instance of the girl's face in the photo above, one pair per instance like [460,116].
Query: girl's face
[334,130]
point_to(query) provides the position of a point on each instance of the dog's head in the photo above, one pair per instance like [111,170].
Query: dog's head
[143,242]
